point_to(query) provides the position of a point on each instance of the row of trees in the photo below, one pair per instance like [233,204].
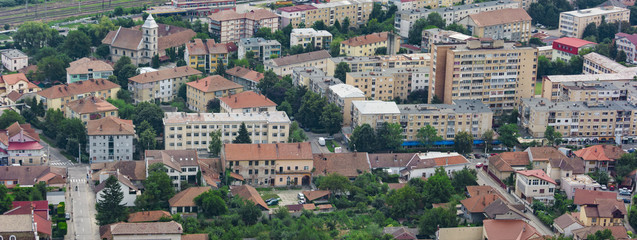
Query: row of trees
[433,20]
[547,12]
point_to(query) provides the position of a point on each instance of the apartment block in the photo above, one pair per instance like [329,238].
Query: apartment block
[308,36]
[90,108]
[581,122]
[262,49]
[245,77]
[246,102]
[388,84]
[191,130]
[356,11]
[274,164]
[161,85]
[206,54]
[314,79]
[404,20]
[553,85]
[512,24]
[14,59]
[203,8]
[231,26]
[405,5]
[567,47]
[573,23]
[378,63]
[595,63]
[180,165]
[628,44]
[494,71]
[284,65]
[437,35]
[294,15]
[58,96]
[367,45]
[85,68]
[374,113]
[342,95]
[202,91]
[594,91]
[110,139]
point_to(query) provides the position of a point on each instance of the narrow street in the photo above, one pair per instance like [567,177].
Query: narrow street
[81,206]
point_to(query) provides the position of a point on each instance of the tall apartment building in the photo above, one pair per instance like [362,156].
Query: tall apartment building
[262,49]
[357,11]
[378,63]
[595,91]
[231,26]
[512,24]
[437,35]
[58,96]
[404,5]
[494,71]
[368,44]
[553,85]
[471,116]
[573,23]
[342,95]
[404,20]
[191,130]
[161,85]
[14,59]
[206,55]
[595,63]
[565,48]
[580,122]
[110,139]
[628,44]
[202,8]
[307,36]
[389,84]
[284,65]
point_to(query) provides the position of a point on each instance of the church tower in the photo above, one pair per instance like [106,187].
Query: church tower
[149,39]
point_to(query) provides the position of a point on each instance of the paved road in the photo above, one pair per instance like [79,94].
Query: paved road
[56,159]
[82,206]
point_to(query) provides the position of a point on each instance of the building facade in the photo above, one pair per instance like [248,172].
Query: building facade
[437,35]
[206,55]
[90,108]
[284,65]
[85,68]
[203,8]
[342,95]
[245,77]
[161,85]
[553,85]
[367,45]
[231,26]
[378,63]
[357,11]
[627,43]
[14,59]
[389,84]
[308,36]
[573,23]
[246,102]
[110,139]
[567,47]
[512,24]
[262,49]
[58,96]
[531,185]
[202,91]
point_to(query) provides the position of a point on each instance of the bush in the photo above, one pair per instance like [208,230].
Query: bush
[61,210]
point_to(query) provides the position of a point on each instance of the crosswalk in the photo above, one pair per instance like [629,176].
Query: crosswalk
[67,163]
[77,180]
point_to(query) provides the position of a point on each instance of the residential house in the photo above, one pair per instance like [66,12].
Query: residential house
[508,229]
[184,201]
[367,45]
[28,176]
[600,157]
[401,232]
[580,181]
[180,165]
[147,230]
[141,43]
[14,97]
[110,139]
[503,165]
[460,233]
[283,66]
[618,232]
[135,171]
[320,39]
[127,188]
[161,85]
[567,47]
[249,193]
[232,26]
[210,171]
[14,59]
[603,212]
[20,144]
[559,168]
[391,163]
[40,208]
[58,96]
[425,164]
[201,91]
[263,49]
[627,43]
[587,197]
[573,23]
[90,108]
[567,223]
[317,196]
[474,207]
[349,165]
[297,209]
[206,55]
[18,225]
[273,164]
[246,102]
[342,95]
[512,24]
[539,156]
[85,68]
[501,209]
[534,185]
[244,76]
[17,82]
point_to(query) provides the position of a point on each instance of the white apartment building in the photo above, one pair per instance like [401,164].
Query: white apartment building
[573,23]
[180,165]
[342,95]
[306,36]
[14,59]
[533,185]
[628,44]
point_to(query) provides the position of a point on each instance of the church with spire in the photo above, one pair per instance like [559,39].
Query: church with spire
[141,43]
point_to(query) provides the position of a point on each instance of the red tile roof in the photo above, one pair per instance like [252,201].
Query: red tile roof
[176,72]
[148,228]
[11,79]
[268,151]
[508,229]
[148,216]
[504,162]
[91,104]
[573,42]
[313,195]
[349,164]
[245,73]
[366,39]
[76,88]
[500,16]
[478,203]
[110,126]
[538,173]
[297,8]
[247,99]
[200,236]
[600,153]
[249,193]
[213,83]
[606,208]
[256,15]
[186,197]
[25,146]
[631,37]
[44,225]
[584,197]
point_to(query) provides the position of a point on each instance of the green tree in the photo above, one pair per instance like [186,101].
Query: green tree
[590,30]
[152,113]
[463,178]
[342,69]
[103,51]
[621,56]
[77,44]
[363,138]
[435,218]
[158,189]
[418,96]
[211,203]
[181,63]
[249,212]
[335,48]
[110,208]
[5,199]
[435,19]
[215,143]
[311,110]
[487,137]
[221,69]
[463,142]
[438,187]
[214,105]
[269,80]
[427,135]
[35,35]
[52,68]
[147,140]
[389,136]
[155,62]
[508,134]
[7,26]
[403,201]
[243,136]
[380,51]
[606,234]
[9,117]
[296,134]
[331,118]
[337,184]
[552,137]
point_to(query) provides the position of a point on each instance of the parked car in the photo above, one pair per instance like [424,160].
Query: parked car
[68,216]
[604,187]
[626,200]
[272,201]
[479,165]
[611,187]
[301,196]
[301,201]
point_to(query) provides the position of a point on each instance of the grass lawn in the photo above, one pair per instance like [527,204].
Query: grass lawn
[329,144]
[268,195]
[5,36]
[538,88]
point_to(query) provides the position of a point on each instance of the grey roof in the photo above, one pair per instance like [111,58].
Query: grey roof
[543,104]
[251,42]
[465,7]
[499,207]
[459,106]
[13,53]
[150,22]
[300,58]
[590,85]
[376,107]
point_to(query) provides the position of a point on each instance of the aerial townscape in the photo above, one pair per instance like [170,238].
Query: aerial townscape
[318,119]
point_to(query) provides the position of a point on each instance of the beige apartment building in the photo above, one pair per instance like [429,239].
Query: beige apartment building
[192,130]
[595,63]
[90,108]
[387,85]
[308,36]
[342,95]
[553,85]
[246,102]
[58,96]
[377,63]
[368,44]
[231,26]
[512,24]
[284,65]
[201,91]
[581,122]
[494,71]
[595,91]
[573,23]
[357,11]
[161,85]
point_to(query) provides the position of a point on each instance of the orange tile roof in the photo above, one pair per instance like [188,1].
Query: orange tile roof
[349,164]
[200,236]
[313,195]
[508,229]
[504,162]
[538,173]
[245,73]
[76,88]
[544,153]
[11,79]
[164,74]
[584,197]
[478,203]
[600,153]
[247,99]
[147,228]
[475,191]
[501,16]
[453,160]
[301,58]
[148,216]
[186,198]
[213,83]
[233,15]
[91,105]
[606,208]
[249,193]
[198,47]
[268,151]
[110,126]
[83,65]
[367,39]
